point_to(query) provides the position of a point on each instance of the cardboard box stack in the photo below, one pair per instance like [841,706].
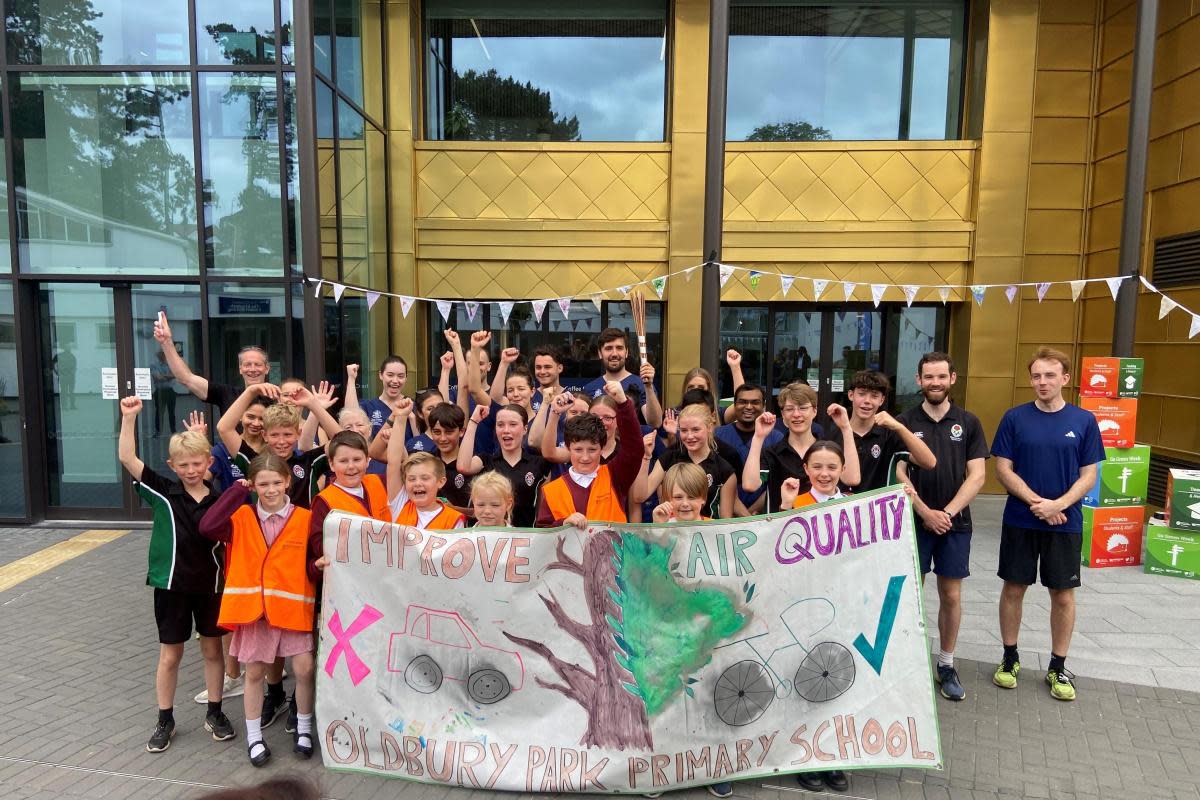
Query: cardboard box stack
[1114,510]
[1173,542]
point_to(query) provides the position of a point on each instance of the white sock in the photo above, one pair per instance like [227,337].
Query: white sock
[945,659]
[254,736]
[304,724]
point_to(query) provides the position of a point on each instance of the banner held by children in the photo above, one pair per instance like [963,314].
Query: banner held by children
[628,658]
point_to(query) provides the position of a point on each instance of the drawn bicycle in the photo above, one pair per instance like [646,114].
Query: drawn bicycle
[745,690]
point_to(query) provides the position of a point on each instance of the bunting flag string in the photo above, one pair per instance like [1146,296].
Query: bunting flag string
[819,285]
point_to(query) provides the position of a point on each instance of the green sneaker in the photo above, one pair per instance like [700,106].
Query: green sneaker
[1061,683]
[1007,678]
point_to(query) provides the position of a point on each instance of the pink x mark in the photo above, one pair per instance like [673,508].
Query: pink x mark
[365,619]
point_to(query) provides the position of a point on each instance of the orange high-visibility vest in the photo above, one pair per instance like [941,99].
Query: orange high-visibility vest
[271,582]
[603,503]
[375,495]
[446,519]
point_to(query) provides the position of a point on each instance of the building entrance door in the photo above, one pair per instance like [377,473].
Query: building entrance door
[96,344]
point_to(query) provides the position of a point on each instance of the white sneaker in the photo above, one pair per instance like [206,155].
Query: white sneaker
[230,687]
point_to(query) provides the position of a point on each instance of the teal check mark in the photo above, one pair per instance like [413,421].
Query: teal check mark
[873,653]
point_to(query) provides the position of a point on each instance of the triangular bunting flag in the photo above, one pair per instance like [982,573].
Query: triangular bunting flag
[977,293]
[1165,306]
[372,299]
[406,303]
[625,289]
[818,288]
[539,308]
[877,290]
[574,324]
[338,289]
[444,307]
[725,271]
[506,308]
[944,293]
[1042,288]
[1147,283]
[1192,331]
[785,283]
[910,294]
[598,302]
[1077,289]
[755,277]
[688,272]
[659,284]
[1011,293]
[317,291]
[564,305]
[848,290]
[472,310]
[1114,284]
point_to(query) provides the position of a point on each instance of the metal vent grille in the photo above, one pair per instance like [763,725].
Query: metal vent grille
[1156,492]
[1177,260]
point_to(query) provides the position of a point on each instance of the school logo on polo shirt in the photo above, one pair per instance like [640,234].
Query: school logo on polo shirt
[419,446]
[709,476]
[956,432]
[919,434]
[377,417]
[875,451]
[459,480]
[529,479]
[298,471]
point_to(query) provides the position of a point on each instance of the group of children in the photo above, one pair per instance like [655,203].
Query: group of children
[519,450]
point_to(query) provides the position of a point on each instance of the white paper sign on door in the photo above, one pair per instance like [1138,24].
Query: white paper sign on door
[108,383]
[838,384]
[141,382]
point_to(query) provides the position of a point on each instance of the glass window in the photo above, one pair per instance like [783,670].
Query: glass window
[239,140]
[105,173]
[5,251]
[291,207]
[744,328]
[544,70]
[797,356]
[286,45]
[235,32]
[240,315]
[348,49]
[323,37]
[12,488]
[844,71]
[85,32]
[912,332]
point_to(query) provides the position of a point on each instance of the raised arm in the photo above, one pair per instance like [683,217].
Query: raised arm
[479,340]
[447,362]
[647,480]
[507,356]
[550,449]
[351,398]
[538,426]
[751,475]
[652,409]
[377,448]
[920,453]
[734,359]
[468,462]
[127,441]
[396,452]
[851,471]
[460,372]
[308,432]
[179,368]
[314,401]
[227,425]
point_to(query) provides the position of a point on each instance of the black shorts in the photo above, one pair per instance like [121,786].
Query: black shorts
[1059,553]
[175,611]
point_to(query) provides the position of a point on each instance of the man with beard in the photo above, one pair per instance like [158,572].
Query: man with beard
[943,495]
[749,402]
[613,351]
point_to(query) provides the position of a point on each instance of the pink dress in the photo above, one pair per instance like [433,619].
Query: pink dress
[260,641]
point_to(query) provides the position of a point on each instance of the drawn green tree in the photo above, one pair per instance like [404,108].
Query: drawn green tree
[645,635]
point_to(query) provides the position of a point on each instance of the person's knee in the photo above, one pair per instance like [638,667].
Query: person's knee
[1013,591]
[302,667]
[169,655]
[1062,598]
[950,591]
[256,671]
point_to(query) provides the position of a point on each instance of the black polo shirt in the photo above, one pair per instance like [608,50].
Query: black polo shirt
[307,466]
[222,395]
[527,476]
[781,462]
[875,450]
[955,439]
[457,491]
[180,558]
[715,467]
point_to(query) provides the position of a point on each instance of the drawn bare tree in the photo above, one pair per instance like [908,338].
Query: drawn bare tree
[616,717]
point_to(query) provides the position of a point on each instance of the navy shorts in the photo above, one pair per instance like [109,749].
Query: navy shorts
[175,612]
[1024,552]
[948,554]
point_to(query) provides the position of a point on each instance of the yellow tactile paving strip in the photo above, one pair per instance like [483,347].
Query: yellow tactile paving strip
[44,560]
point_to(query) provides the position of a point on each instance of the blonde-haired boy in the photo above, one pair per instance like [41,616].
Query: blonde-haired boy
[184,569]
[413,486]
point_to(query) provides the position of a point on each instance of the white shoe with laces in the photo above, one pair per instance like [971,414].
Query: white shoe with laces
[230,687]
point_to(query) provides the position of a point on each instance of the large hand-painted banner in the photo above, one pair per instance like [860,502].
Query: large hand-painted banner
[627,658]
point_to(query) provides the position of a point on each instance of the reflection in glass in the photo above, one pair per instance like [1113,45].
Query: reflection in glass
[233,32]
[240,315]
[78,344]
[348,71]
[5,252]
[544,71]
[85,32]
[105,173]
[804,72]
[323,37]
[293,172]
[12,488]
[170,401]
[797,356]
[912,332]
[239,124]
[743,328]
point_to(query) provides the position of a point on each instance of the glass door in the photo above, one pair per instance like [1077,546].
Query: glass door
[853,344]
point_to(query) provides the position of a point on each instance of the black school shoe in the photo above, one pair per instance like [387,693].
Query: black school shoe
[302,744]
[264,755]
[270,710]
[219,726]
[836,779]
[811,781]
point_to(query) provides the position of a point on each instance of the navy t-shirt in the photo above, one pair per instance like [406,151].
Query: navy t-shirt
[377,411]
[1047,450]
[635,390]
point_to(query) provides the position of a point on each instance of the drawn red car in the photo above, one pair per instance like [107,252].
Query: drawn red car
[437,645]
